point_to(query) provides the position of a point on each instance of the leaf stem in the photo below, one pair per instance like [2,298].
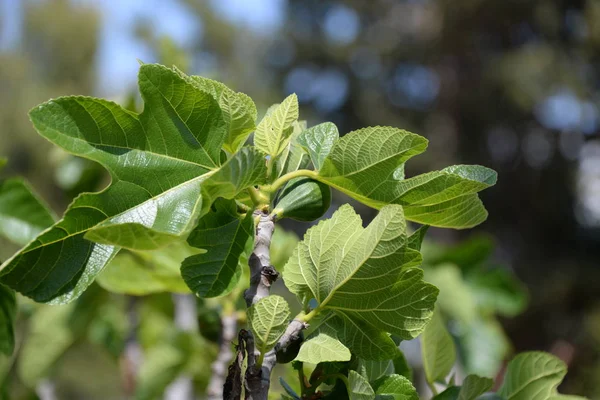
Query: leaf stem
[258,198]
[272,188]
[432,387]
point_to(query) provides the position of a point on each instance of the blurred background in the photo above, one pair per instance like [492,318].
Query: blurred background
[510,84]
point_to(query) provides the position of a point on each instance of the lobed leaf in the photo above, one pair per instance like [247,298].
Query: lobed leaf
[158,161]
[273,132]
[238,109]
[365,277]
[368,165]
[439,352]
[473,386]
[224,235]
[268,319]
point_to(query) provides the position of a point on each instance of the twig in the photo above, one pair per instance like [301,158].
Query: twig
[219,366]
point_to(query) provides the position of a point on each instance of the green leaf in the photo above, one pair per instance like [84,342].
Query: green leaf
[224,235]
[365,276]
[416,238]
[141,273]
[473,386]
[239,111]
[359,388]
[318,141]
[158,161]
[484,346]
[49,337]
[456,299]
[323,348]
[395,387]
[293,157]
[444,198]
[8,311]
[273,132]
[497,290]
[437,346]
[282,247]
[533,376]
[373,370]
[268,319]
[22,213]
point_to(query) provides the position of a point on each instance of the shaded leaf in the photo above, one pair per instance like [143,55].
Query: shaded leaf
[416,238]
[293,157]
[359,388]
[141,273]
[22,213]
[473,386]
[437,346]
[268,319]
[224,235]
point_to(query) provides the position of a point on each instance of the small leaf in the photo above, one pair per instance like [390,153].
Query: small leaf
[22,213]
[318,141]
[273,132]
[8,311]
[437,346]
[473,386]
[293,157]
[395,387]
[323,348]
[268,319]
[359,388]
[373,370]
[533,376]
[224,235]
[239,111]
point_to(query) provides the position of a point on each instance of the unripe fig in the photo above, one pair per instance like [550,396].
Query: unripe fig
[303,199]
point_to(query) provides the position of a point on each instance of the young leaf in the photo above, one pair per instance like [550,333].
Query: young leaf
[22,214]
[239,111]
[318,141]
[8,311]
[473,386]
[293,157]
[444,198]
[395,387]
[323,348]
[141,273]
[373,370]
[268,319]
[534,376]
[158,161]
[224,235]
[437,346]
[273,132]
[359,388]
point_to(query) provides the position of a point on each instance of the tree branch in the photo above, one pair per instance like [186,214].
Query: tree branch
[219,366]
[262,273]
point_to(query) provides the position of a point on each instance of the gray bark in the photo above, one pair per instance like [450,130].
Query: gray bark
[219,366]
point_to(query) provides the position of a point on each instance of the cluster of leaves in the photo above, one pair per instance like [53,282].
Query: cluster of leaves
[184,191]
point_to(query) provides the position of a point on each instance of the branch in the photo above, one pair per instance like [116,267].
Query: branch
[219,366]
[262,273]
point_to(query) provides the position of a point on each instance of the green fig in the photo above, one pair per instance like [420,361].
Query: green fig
[303,199]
